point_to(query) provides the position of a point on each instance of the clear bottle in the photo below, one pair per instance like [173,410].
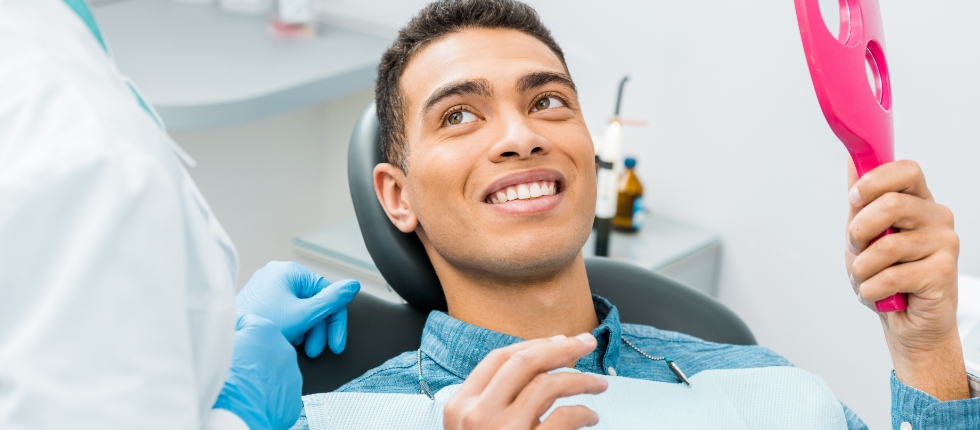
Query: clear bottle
[629,206]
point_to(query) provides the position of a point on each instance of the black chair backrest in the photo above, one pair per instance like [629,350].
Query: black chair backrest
[376,331]
[379,330]
[400,257]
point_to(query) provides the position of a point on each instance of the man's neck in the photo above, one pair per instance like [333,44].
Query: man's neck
[561,304]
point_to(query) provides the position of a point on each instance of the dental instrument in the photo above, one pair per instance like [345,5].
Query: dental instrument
[607,191]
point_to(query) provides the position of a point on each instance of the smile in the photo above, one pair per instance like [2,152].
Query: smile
[525,191]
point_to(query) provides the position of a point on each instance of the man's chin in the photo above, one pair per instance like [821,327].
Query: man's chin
[526,267]
[532,254]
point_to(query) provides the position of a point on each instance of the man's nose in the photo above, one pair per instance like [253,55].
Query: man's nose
[519,141]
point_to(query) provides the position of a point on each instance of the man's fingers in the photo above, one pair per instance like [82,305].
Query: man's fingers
[491,388]
[524,365]
[924,278]
[902,211]
[902,247]
[542,392]
[903,176]
[570,417]
[481,375]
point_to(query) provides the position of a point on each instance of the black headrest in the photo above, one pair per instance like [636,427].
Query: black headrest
[400,257]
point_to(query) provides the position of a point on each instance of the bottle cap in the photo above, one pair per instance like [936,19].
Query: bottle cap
[630,162]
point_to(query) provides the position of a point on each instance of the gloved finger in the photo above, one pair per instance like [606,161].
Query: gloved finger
[293,408]
[299,280]
[240,322]
[316,339]
[337,327]
[304,282]
[331,299]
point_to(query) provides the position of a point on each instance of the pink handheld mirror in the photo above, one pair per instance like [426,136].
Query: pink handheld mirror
[841,69]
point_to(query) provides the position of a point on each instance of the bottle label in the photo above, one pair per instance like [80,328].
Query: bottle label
[638,213]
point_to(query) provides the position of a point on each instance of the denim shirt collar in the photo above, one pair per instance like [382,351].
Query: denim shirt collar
[458,346]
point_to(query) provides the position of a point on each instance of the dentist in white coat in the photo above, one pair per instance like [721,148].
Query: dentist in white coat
[117,283]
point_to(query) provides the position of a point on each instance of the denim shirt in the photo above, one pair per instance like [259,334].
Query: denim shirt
[452,348]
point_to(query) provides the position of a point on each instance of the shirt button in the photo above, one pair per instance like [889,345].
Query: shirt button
[905,426]
[612,372]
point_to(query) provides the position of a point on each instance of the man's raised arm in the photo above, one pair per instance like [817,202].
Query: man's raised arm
[930,386]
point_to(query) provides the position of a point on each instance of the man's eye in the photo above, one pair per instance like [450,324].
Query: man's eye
[547,103]
[459,117]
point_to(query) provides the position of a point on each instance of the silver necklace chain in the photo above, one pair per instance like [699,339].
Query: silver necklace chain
[681,377]
[422,383]
[641,352]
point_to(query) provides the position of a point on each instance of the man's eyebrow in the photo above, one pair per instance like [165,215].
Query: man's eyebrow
[478,87]
[538,79]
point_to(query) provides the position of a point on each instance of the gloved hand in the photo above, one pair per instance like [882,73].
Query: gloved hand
[301,303]
[264,387]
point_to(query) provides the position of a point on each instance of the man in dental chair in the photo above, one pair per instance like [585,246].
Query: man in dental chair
[490,163]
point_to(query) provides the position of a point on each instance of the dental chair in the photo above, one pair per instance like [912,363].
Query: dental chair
[379,330]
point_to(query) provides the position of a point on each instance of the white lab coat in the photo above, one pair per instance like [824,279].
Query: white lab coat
[116,280]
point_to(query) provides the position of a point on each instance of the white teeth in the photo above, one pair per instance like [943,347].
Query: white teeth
[523,192]
[535,190]
[531,190]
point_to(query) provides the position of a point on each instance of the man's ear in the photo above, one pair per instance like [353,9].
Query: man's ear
[389,185]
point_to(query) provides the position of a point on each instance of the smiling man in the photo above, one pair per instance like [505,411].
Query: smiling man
[490,163]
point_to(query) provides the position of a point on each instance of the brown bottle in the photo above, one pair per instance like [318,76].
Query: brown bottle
[629,207]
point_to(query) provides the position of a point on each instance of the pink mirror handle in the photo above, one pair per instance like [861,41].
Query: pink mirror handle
[859,114]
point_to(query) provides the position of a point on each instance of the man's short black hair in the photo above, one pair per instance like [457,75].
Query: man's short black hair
[435,21]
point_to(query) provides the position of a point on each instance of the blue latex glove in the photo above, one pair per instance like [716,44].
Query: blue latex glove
[301,303]
[264,387]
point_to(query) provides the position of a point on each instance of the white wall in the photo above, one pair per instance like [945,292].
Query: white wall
[736,141]
[271,180]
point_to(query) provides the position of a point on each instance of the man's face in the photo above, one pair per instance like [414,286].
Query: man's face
[501,167]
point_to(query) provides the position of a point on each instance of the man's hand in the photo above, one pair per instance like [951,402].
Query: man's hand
[920,259]
[511,388]
[301,303]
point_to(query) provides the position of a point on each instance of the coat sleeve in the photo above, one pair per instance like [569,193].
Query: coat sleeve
[94,326]
[93,320]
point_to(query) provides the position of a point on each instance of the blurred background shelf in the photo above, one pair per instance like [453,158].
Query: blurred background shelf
[673,248]
[201,67]
[686,252]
